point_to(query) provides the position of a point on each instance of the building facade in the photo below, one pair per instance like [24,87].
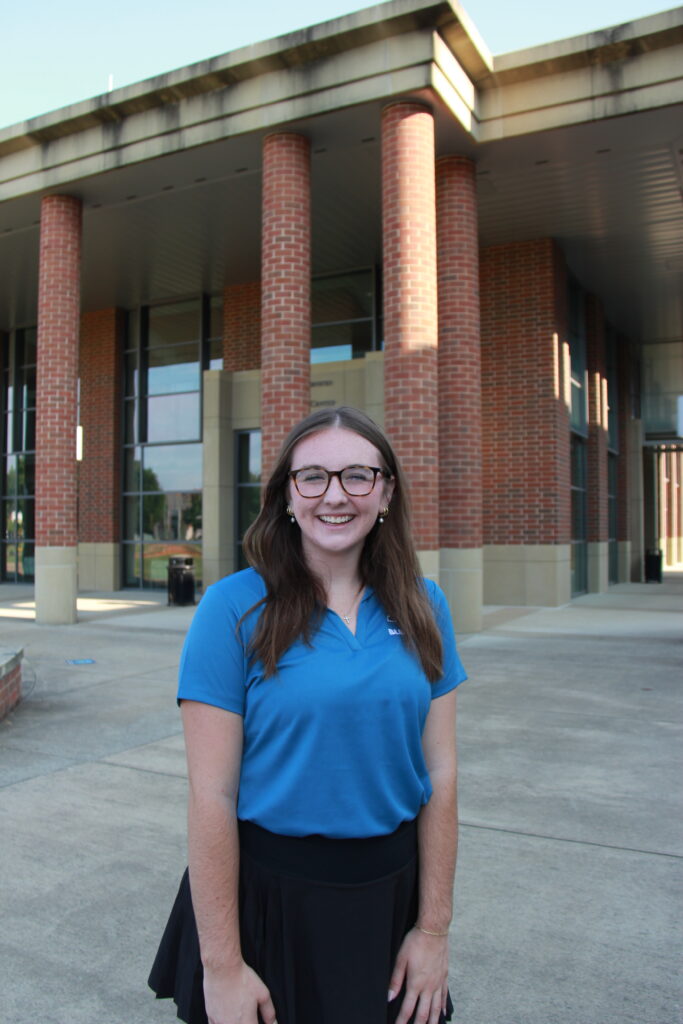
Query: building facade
[485,254]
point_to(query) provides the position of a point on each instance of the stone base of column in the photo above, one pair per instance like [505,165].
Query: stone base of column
[527,574]
[99,567]
[461,578]
[56,586]
[429,563]
[598,566]
[624,560]
[218,494]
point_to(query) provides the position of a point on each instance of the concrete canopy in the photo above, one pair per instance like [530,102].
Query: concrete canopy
[581,140]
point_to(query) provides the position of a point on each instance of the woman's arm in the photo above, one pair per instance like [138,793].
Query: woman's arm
[422,962]
[233,993]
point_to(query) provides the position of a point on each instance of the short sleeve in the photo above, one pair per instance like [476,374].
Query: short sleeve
[453,671]
[212,664]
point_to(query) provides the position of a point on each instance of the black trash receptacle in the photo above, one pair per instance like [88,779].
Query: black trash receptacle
[653,566]
[181,580]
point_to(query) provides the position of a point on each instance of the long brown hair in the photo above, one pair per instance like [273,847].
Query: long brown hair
[296,599]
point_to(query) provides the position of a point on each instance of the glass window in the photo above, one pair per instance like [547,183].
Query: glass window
[173,467]
[343,315]
[577,350]
[612,516]
[177,322]
[172,516]
[579,551]
[341,341]
[215,354]
[131,363]
[248,497]
[342,297]
[173,418]
[173,369]
[17,468]
[132,478]
[216,318]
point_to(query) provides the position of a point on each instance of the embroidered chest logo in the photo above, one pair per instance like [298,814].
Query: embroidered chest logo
[393,629]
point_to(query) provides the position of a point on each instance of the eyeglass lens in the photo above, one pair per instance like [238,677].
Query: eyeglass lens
[314,481]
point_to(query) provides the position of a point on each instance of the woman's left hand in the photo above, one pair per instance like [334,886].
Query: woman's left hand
[422,965]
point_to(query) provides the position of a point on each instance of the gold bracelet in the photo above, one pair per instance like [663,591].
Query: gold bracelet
[425,931]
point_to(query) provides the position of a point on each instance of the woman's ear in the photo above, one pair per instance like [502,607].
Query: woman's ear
[389,486]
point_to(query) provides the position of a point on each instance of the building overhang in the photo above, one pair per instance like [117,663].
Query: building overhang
[580,140]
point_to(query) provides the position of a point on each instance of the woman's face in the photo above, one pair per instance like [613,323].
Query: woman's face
[336,523]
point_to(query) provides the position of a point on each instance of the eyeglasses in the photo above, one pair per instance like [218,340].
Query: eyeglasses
[357,481]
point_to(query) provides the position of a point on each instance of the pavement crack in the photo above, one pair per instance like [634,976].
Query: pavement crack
[567,839]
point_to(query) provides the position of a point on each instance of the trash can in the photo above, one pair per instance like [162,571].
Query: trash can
[181,580]
[653,566]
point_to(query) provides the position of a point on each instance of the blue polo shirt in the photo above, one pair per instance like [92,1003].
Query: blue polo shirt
[332,741]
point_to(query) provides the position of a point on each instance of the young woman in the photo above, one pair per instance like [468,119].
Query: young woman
[318,701]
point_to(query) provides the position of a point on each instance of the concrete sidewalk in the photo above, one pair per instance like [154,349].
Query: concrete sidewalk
[568,905]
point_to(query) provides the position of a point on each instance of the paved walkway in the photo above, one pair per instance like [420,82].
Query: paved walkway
[568,903]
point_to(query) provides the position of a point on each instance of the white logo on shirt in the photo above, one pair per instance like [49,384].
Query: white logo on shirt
[393,632]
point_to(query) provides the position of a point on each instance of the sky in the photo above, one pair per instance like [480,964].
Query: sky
[54,54]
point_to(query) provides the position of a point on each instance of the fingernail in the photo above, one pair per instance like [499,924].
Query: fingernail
[392,995]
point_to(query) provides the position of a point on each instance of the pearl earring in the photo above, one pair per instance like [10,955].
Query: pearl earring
[290,512]
[383,512]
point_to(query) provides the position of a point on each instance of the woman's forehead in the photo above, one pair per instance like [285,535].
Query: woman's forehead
[334,448]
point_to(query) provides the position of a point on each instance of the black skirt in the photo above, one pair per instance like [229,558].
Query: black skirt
[321,922]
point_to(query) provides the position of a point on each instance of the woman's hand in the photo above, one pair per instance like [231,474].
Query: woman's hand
[422,965]
[237,997]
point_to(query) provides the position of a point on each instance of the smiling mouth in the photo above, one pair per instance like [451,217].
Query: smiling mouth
[335,520]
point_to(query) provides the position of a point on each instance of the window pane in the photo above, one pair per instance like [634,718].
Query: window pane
[26,347]
[216,318]
[131,518]
[130,416]
[173,418]
[26,387]
[174,323]
[248,505]
[26,562]
[132,374]
[11,478]
[174,516]
[216,354]
[345,297]
[249,457]
[155,561]
[131,564]
[132,467]
[173,468]
[341,341]
[26,474]
[173,369]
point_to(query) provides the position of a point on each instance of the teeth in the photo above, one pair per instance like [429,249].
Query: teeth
[335,519]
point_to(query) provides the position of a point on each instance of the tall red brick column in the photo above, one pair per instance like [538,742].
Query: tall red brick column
[597,512]
[99,485]
[285,289]
[242,326]
[56,403]
[410,311]
[525,424]
[459,390]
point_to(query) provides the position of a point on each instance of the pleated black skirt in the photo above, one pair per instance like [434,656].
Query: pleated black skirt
[321,922]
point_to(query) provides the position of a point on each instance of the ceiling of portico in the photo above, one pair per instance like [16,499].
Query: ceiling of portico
[610,192]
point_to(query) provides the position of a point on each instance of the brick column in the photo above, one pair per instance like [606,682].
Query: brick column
[285,289]
[597,525]
[459,363]
[525,425]
[626,526]
[99,485]
[56,481]
[410,312]
[242,326]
